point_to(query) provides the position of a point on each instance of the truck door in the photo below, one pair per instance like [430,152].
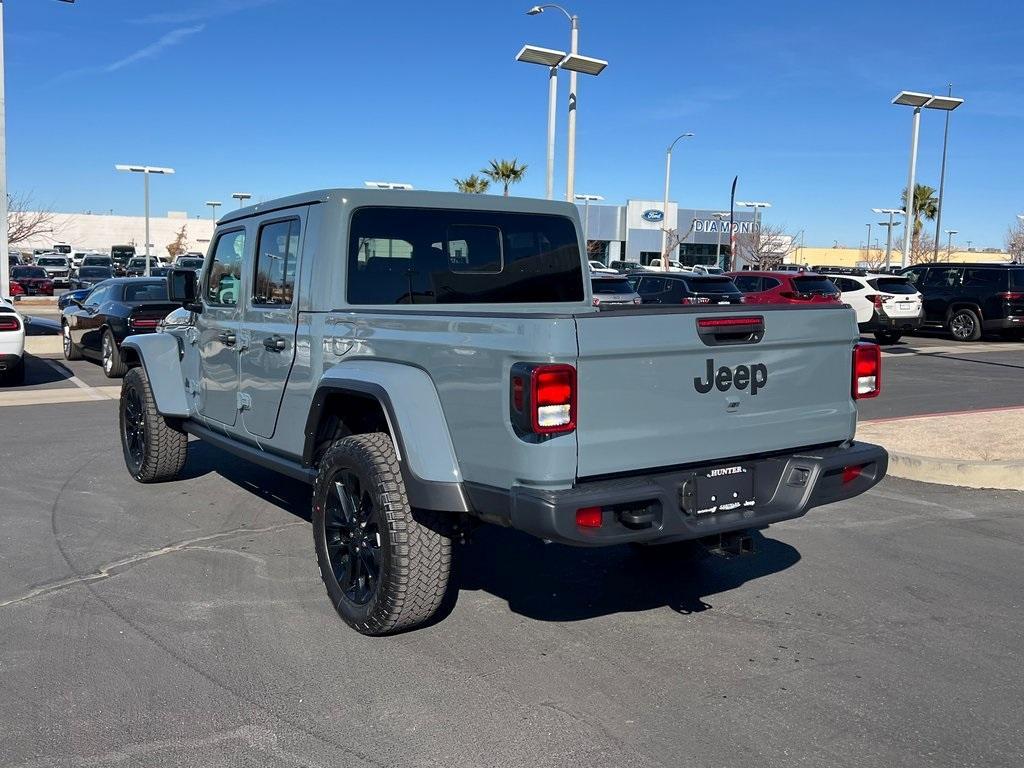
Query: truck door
[269,321]
[218,326]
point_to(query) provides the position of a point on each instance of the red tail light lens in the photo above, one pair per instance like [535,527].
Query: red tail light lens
[1011,296]
[875,299]
[852,472]
[142,322]
[867,371]
[9,322]
[543,398]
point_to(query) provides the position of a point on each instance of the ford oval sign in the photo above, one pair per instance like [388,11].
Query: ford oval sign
[653,214]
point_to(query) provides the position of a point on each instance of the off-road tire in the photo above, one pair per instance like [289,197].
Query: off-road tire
[164,445]
[971,325]
[114,365]
[887,337]
[413,554]
[71,350]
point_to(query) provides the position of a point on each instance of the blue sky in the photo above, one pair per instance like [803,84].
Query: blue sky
[278,96]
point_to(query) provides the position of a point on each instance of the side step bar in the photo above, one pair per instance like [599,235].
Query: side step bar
[251,453]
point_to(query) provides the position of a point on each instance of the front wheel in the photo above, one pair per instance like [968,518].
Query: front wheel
[887,337]
[154,449]
[71,350]
[965,325]
[386,567]
[113,364]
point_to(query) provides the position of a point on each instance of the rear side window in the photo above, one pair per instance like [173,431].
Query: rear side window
[985,278]
[895,285]
[605,287]
[820,285]
[1017,279]
[226,269]
[277,252]
[437,256]
[941,277]
[748,283]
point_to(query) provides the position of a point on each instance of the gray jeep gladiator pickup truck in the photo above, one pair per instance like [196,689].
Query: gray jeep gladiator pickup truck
[428,359]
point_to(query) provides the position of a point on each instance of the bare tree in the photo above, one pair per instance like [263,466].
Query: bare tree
[180,243]
[1015,242]
[673,239]
[765,247]
[922,250]
[25,220]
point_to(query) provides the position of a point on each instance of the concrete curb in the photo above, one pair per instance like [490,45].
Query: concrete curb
[1001,475]
[44,345]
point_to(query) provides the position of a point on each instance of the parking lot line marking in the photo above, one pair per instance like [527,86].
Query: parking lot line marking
[74,379]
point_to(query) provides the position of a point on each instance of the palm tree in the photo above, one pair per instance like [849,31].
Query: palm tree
[925,203]
[505,172]
[472,185]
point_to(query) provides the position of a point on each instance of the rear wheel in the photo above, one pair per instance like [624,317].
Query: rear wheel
[887,337]
[113,365]
[386,567]
[965,325]
[154,449]
[71,350]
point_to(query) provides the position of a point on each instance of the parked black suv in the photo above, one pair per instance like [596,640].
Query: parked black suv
[966,299]
[684,288]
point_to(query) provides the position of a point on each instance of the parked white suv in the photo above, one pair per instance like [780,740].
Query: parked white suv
[886,305]
[12,344]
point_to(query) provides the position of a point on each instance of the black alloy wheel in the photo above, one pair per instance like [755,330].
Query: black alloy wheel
[133,420]
[353,536]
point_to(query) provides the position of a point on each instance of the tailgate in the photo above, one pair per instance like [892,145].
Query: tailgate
[645,400]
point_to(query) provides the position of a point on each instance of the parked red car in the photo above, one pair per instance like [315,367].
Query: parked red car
[15,289]
[33,279]
[785,287]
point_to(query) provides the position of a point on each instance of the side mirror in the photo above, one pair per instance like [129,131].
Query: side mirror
[183,288]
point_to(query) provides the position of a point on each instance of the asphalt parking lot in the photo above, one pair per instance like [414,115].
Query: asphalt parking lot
[185,624]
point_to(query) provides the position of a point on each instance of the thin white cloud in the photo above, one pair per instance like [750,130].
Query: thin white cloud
[169,40]
[211,10]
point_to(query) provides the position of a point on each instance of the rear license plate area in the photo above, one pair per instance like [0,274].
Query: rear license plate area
[722,489]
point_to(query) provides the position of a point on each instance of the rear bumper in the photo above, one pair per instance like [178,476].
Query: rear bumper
[886,323]
[1008,323]
[786,486]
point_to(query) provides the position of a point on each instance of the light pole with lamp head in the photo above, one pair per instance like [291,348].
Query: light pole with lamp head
[665,221]
[5,265]
[888,225]
[532,54]
[949,242]
[755,231]
[942,174]
[241,197]
[918,101]
[214,205]
[575,64]
[867,250]
[146,171]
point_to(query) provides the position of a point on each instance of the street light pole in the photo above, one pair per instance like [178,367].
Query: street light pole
[718,245]
[868,249]
[145,170]
[214,205]
[755,232]
[665,221]
[949,243]
[942,181]
[586,217]
[888,226]
[241,197]
[550,58]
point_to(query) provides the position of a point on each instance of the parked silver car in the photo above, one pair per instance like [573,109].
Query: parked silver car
[612,290]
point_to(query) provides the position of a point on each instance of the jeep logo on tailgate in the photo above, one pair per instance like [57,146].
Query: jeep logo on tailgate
[755,376]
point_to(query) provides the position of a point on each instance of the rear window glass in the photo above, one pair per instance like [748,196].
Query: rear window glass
[892,285]
[155,291]
[611,286]
[437,256]
[814,285]
[28,272]
[94,272]
[712,285]
[95,260]
[1017,279]
[53,261]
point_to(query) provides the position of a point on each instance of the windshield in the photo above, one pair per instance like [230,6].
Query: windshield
[62,249]
[189,263]
[606,287]
[714,270]
[52,261]
[712,285]
[893,285]
[27,272]
[815,284]
[139,262]
[97,261]
[147,291]
[94,272]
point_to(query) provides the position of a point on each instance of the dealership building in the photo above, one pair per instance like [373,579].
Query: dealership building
[633,232]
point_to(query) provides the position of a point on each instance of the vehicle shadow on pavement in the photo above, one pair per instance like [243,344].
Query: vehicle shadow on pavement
[289,495]
[551,582]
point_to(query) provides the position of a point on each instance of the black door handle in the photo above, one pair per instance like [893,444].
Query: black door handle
[227,338]
[275,343]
